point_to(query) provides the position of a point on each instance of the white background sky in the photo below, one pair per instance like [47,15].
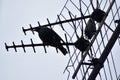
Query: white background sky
[28,66]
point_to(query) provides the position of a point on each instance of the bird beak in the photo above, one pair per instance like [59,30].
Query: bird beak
[36,29]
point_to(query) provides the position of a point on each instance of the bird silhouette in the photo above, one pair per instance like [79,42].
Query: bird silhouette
[90,28]
[82,44]
[50,37]
[98,15]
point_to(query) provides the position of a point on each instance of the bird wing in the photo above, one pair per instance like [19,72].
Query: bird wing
[90,28]
[91,25]
[56,36]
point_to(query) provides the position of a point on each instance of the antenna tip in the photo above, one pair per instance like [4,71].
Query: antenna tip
[23,30]
[6,46]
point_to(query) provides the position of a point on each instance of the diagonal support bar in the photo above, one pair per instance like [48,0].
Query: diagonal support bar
[105,53]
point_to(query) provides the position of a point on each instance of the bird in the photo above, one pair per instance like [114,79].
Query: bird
[50,37]
[90,28]
[98,15]
[82,44]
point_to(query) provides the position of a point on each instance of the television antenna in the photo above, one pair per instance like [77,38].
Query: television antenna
[73,19]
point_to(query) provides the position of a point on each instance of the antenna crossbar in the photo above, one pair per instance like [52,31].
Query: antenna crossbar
[31,45]
[56,23]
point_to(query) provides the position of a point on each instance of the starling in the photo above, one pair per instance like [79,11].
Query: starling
[82,44]
[98,15]
[50,37]
[90,28]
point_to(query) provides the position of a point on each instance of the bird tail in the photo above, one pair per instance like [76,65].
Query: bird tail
[62,49]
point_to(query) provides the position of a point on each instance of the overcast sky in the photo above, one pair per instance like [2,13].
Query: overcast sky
[15,14]
[28,66]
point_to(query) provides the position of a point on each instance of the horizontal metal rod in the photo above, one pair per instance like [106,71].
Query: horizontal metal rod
[60,22]
[31,45]
[87,63]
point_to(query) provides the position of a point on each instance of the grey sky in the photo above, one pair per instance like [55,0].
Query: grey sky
[28,66]
[15,14]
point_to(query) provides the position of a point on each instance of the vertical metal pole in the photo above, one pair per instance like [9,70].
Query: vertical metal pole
[105,53]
